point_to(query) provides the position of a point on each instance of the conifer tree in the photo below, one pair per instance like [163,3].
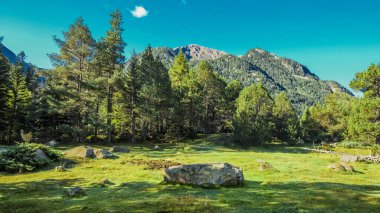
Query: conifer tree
[19,100]
[4,94]
[111,60]
[69,80]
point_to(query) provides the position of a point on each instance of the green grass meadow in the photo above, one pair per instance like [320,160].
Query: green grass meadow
[299,182]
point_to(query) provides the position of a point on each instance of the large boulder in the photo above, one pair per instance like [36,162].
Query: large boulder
[40,155]
[214,174]
[81,151]
[121,149]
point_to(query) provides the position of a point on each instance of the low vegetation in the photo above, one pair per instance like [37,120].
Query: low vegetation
[298,182]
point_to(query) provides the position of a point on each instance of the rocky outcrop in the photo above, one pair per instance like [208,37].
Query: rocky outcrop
[205,175]
[102,153]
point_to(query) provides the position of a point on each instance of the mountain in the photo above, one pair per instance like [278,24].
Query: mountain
[12,57]
[258,65]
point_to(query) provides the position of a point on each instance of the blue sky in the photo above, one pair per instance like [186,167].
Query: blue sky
[334,38]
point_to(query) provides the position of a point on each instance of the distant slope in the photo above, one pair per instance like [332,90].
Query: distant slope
[257,65]
[12,57]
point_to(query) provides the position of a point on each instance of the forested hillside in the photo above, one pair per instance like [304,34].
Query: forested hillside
[276,73]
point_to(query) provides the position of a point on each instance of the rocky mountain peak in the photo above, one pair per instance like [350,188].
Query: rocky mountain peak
[198,52]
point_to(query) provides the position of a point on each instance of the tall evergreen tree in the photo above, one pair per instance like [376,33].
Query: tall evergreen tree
[4,94]
[19,101]
[112,62]
[69,80]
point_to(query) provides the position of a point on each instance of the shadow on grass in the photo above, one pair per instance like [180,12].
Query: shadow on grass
[49,196]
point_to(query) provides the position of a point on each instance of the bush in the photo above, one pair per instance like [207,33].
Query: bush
[23,157]
[375,150]
[351,144]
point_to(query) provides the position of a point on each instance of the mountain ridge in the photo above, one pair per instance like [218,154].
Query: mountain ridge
[259,65]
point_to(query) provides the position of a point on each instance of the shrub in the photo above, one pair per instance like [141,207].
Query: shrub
[23,157]
[375,150]
[351,144]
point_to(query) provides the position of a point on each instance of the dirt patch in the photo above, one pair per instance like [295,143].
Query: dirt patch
[153,164]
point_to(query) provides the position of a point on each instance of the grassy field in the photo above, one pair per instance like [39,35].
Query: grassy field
[300,182]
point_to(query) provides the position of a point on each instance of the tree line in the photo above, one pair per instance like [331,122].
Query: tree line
[93,94]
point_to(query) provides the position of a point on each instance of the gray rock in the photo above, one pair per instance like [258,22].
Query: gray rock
[121,149]
[347,167]
[214,174]
[343,166]
[156,148]
[76,191]
[349,158]
[40,155]
[81,151]
[102,153]
[336,167]
[52,143]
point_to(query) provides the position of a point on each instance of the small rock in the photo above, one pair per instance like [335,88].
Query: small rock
[347,167]
[265,166]
[40,155]
[102,153]
[119,149]
[104,181]
[52,143]
[76,191]
[156,147]
[60,169]
[336,167]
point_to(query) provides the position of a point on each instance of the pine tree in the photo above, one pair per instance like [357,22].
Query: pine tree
[111,59]
[4,94]
[131,92]
[19,101]
[69,80]
[155,96]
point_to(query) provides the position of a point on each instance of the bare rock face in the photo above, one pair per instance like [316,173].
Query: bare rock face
[214,174]
[81,151]
[197,52]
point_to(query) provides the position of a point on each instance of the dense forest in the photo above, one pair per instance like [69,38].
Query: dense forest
[94,95]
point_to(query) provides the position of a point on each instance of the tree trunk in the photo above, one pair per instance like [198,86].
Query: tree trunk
[109,114]
[96,122]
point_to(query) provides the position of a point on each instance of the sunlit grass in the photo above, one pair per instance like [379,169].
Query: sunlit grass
[299,182]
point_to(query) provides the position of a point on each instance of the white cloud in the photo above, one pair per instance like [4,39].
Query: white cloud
[139,12]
